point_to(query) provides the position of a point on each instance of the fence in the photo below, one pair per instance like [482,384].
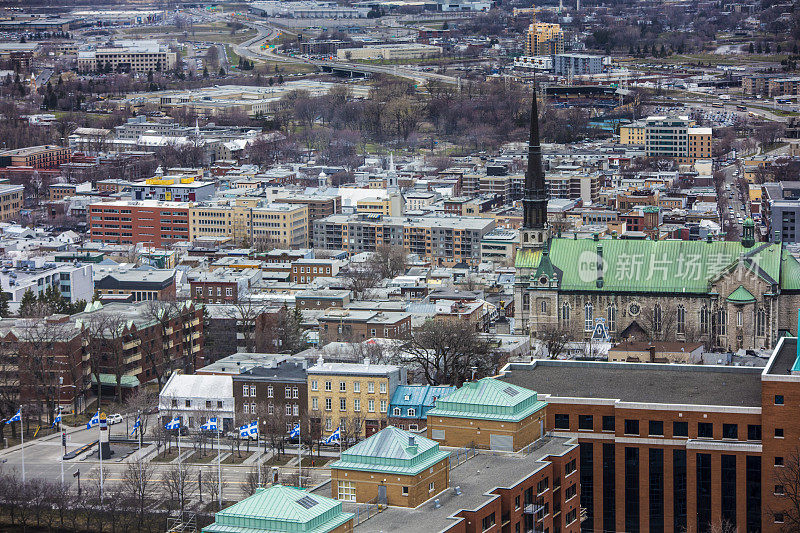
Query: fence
[185,523]
[365,511]
[538,443]
[461,455]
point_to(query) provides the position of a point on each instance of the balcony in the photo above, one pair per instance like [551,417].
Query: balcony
[533,508]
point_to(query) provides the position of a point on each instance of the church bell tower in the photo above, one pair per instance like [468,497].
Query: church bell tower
[534,204]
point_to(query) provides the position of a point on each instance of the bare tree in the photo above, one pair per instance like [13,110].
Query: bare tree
[156,349]
[554,337]
[359,278]
[787,479]
[389,261]
[108,334]
[248,313]
[251,482]
[178,483]
[450,352]
[138,479]
[658,321]
[351,428]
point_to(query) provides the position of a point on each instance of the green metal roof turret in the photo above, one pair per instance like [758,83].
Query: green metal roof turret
[741,296]
[489,399]
[748,233]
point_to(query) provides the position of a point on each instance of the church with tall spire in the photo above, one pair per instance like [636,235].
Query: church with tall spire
[726,294]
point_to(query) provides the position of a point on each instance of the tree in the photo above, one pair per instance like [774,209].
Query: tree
[156,350]
[554,337]
[249,317]
[138,480]
[788,477]
[359,278]
[389,261]
[212,58]
[107,334]
[178,482]
[30,306]
[448,352]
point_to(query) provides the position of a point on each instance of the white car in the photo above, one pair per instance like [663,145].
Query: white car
[114,419]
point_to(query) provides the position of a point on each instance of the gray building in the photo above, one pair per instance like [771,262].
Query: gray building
[576,64]
[782,209]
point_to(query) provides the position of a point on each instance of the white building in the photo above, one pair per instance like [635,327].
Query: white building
[73,280]
[128,56]
[196,398]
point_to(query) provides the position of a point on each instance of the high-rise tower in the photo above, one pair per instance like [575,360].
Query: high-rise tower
[534,203]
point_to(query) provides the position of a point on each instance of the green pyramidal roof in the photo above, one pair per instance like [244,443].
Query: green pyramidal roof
[741,296]
[489,399]
[392,450]
[669,266]
[280,508]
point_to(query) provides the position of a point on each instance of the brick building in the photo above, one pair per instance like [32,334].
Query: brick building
[145,284]
[305,270]
[488,414]
[149,222]
[351,325]
[39,157]
[279,392]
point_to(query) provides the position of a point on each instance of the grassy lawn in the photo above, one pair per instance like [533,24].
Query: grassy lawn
[778,112]
[278,460]
[234,458]
[316,461]
[218,33]
[166,456]
[707,57]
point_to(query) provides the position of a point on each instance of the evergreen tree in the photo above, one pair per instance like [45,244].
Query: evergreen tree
[4,312]
[280,79]
[751,49]
[221,71]
[28,304]
[205,72]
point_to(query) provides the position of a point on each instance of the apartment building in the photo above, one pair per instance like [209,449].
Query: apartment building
[11,199]
[279,391]
[757,84]
[128,56]
[319,206]
[418,200]
[392,206]
[444,241]
[306,270]
[573,186]
[138,284]
[633,133]
[699,143]
[39,157]
[59,191]
[676,137]
[577,64]
[222,286]
[410,404]
[353,325]
[149,222]
[499,246]
[352,394]
[783,86]
[544,39]
[141,124]
[179,188]
[320,299]
[274,224]
[72,281]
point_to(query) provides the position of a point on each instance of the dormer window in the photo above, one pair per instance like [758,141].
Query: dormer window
[543,280]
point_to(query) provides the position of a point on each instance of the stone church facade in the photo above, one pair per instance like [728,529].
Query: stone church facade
[729,296]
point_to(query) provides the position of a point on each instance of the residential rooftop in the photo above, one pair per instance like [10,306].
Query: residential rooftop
[651,383]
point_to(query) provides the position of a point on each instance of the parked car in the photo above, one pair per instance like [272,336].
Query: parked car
[116,418]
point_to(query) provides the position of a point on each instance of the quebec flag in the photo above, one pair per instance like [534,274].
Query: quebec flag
[335,437]
[211,425]
[295,431]
[175,423]
[94,421]
[16,418]
[249,430]
[137,425]
[57,419]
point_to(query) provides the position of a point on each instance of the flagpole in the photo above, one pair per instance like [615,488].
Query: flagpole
[219,467]
[299,456]
[100,450]
[22,442]
[180,469]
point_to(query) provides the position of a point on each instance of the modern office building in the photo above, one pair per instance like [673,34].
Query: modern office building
[676,137]
[173,188]
[576,64]
[251,223]
[38,157]
[128,56]
[150,222]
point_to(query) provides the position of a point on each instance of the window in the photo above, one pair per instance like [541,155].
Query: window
[571,516]
[565,313]
[526,302]
[431,486]
[730,431]
[342,386]
[739,318]
[570,492]
[296,410]
[543,485]
[314,404]
[270,392]
[412,412]
[357,405]
[680,429]
[370,387]
[271,409]
[208,404]
[405,491]
[383,387]
[487,522]
[328,424]
[371,406]
[705,430]
[342,404]
[779,518]
[753,431]
[516,502]
[295,393]
[396,411]
[357,386]
[188,403]
[562,421]
[328,385]
[228,291]
[657,318]
[384,406]
[585,422]
[543,307]
[246,408]
[631,427]
[245,390]
[656,428]
[588,317]
[612,317]
[778,461]
[328,404]
[570,467]
[288,409]
[681,320]
[219,404]
[412,427]
[608,423]
[347,491]
[704,319]
[253,391]
[761,322]
[779,489]
[779,399]
[722,321]
[778,433]
[287,392]
[314,384]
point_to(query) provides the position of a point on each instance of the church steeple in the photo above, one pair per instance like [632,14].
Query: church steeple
[534,203]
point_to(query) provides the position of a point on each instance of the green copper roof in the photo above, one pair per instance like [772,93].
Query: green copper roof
[489,399]
[280,508]
[671,266]
[741,296]
[391,451]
